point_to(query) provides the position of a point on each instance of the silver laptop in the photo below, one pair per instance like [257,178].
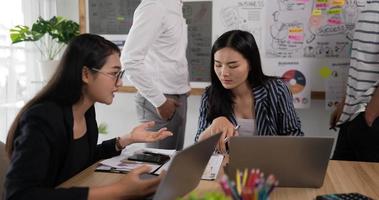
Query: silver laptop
[185,170]
[295,161]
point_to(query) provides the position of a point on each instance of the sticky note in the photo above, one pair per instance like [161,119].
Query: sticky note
[296,37]
[321,6]
[332,21]
[334,11]
[316,12]
[338,2]
[296,30]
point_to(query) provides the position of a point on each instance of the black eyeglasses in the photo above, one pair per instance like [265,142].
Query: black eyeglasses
[115,76]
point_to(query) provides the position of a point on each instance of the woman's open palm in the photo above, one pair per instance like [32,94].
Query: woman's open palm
[141,133]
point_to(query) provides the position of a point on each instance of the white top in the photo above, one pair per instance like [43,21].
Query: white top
[246,127]
[154,55]
[364,63]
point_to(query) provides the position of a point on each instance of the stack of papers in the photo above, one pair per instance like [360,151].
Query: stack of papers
[121,164]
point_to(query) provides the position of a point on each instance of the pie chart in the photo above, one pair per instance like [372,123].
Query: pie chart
[295,79]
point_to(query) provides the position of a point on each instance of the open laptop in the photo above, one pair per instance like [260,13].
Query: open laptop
[185,170]
[295,161]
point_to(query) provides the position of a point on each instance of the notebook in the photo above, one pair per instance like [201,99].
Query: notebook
[295,161]
[185,170]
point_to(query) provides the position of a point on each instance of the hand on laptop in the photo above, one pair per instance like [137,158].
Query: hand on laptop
[220,124]
[133,187]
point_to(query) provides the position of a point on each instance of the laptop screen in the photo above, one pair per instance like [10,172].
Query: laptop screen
[295,161]
[186,169]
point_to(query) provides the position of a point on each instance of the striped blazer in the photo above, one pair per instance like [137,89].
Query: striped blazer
[274,111]
[363,76]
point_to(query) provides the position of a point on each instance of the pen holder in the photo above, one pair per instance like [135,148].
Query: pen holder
[247,184]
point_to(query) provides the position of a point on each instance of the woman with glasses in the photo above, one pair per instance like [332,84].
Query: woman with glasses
[54,136]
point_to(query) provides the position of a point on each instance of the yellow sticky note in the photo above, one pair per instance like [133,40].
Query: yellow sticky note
[325,72]
[335,11]
[316,12]
[295,30]
[338,2]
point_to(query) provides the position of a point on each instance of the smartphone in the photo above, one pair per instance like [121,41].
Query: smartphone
[150,157]
[343,196]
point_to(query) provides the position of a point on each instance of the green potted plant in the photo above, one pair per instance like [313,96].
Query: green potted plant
[49,36]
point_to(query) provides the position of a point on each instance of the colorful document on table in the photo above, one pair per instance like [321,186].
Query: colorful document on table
[121,164]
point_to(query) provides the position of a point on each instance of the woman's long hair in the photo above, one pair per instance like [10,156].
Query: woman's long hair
[65,86]
[221,100]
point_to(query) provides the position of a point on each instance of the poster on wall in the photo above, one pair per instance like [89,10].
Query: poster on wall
[238,14]
[298,82]
[311,28]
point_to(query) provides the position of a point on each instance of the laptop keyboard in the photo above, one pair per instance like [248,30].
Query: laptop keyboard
[344,196]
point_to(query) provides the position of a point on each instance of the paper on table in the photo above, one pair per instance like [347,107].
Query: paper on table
[168,152]
[210,172]
[121,164]
[117,163]
[213,166]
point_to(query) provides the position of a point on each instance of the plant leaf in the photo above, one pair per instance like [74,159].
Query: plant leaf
[58,29]
[21,33]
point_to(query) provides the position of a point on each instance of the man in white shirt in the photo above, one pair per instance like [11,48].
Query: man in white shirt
[154,57]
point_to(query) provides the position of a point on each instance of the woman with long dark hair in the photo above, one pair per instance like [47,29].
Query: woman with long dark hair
[54,136]
[241,96]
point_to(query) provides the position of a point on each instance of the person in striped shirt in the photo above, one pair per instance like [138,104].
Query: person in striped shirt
[242,96]
[357,114]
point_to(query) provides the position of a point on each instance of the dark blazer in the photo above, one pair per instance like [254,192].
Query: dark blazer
[40,149]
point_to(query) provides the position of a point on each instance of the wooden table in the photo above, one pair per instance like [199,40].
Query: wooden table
[341,177]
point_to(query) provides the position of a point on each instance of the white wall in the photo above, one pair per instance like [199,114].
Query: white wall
[121,117]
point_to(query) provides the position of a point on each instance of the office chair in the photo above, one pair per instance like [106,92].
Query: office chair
[4,163]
